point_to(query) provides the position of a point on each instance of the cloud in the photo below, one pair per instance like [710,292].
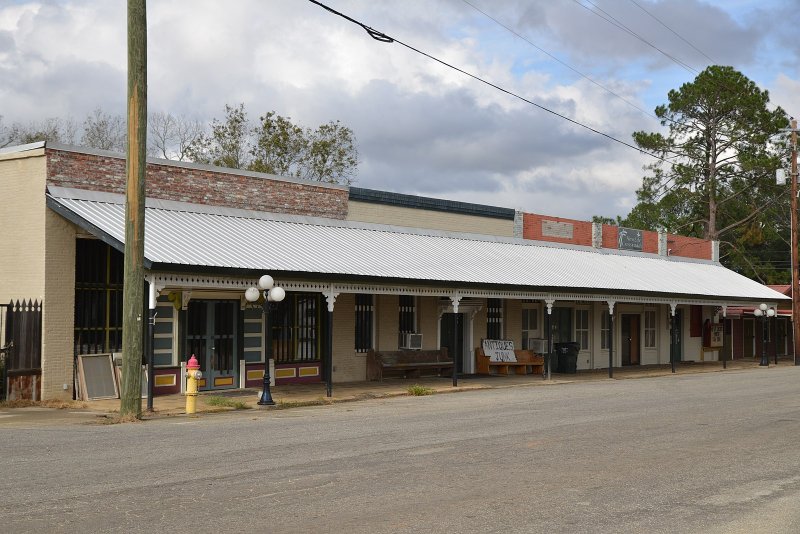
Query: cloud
[422,128]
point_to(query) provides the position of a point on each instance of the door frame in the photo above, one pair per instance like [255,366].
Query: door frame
[634,342]
[209,380]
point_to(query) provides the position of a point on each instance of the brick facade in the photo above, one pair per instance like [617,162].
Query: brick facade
[195,184]
[535,227]
[689,247]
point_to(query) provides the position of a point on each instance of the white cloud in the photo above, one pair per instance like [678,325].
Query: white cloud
[422,128]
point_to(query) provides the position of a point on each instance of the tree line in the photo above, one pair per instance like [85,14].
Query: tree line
[274,144]
[721,146]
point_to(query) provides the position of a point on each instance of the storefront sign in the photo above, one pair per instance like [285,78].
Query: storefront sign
[629,239]
[499,350]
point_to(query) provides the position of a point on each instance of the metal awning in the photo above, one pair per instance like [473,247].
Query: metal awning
[199,236]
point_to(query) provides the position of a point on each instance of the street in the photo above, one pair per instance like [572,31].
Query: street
[712,453]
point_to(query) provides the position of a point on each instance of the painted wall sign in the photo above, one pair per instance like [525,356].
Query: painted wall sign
[629,239]
[499,350]
[557,229]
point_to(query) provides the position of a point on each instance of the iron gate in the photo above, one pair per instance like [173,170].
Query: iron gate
[21,349]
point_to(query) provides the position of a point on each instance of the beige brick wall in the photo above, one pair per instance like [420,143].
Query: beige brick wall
[387,322]
[22,220]
[428,321]
[479,327]
[348,365]
[512,321]
[59,311]
[38,262]
[419,218]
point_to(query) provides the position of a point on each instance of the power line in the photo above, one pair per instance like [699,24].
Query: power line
[614,22]
[637,4]
[382,37]
[554,58]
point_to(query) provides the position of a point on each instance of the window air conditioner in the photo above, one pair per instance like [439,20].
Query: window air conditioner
[538,346]
[411,341]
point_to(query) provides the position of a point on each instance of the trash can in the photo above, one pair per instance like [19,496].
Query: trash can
[567,357]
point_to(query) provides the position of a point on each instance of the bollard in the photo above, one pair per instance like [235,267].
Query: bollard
[193,374]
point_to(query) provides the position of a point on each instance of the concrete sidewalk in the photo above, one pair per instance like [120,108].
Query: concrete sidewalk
[295,395]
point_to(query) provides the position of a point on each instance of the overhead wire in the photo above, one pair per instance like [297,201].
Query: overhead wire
[384,38]
[679,36]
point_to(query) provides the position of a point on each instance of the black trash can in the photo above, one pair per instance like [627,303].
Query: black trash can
[567,357]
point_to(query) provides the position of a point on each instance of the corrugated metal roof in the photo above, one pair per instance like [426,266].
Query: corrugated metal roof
[191,235]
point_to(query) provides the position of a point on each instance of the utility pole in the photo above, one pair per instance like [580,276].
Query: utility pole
[795,283]
[133,287]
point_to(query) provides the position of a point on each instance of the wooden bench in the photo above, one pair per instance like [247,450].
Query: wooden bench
[528,362]
[407,362]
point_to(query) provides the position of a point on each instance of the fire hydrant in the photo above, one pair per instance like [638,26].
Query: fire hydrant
[193,374]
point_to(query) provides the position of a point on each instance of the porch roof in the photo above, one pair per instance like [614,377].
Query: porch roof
[191,235]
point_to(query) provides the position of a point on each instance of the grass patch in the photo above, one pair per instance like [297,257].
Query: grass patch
[282,405]
[224,402]
[116,419]
[417,391]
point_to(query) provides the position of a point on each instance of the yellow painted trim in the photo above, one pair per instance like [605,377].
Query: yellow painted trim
[309,371]
[223,381]
[164,381]
[201,383]
[256,374]
[285,373]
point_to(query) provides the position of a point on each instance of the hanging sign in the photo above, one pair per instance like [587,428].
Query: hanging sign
[629,239]
[499,350]
[716,335]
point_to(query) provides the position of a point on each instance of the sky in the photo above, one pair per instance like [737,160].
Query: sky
[422,128]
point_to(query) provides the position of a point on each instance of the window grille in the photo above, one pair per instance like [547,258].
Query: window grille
[408,314]
[494,319]
[295,324]
[364,317]
[98,297]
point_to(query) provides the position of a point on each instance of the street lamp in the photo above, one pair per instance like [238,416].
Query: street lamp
[271,294]
[764,311]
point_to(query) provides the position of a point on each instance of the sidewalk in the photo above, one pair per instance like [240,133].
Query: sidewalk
[296,395]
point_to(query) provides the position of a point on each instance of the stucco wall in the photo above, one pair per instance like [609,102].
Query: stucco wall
[420,218]
[428,321]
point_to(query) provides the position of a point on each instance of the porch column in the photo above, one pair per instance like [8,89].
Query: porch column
[153,292]
[673,332]
[455,298]
[548,356]
[330,297]
[611,338]
[724,356]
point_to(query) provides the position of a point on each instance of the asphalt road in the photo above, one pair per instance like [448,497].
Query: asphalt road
[711,453]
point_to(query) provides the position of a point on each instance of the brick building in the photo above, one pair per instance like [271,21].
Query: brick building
[374,267]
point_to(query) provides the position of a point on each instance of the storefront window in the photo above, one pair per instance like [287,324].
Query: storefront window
[649,329]
[364,321]
[494,319]
[582,328]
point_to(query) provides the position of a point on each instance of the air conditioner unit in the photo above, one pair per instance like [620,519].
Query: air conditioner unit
[410,341]
[538,346]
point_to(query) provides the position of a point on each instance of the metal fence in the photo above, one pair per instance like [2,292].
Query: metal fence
[21,348]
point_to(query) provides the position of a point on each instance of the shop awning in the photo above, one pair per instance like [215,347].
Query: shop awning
[192,235]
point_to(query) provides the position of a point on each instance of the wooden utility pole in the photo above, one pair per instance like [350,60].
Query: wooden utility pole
[133,288]
[793,237]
